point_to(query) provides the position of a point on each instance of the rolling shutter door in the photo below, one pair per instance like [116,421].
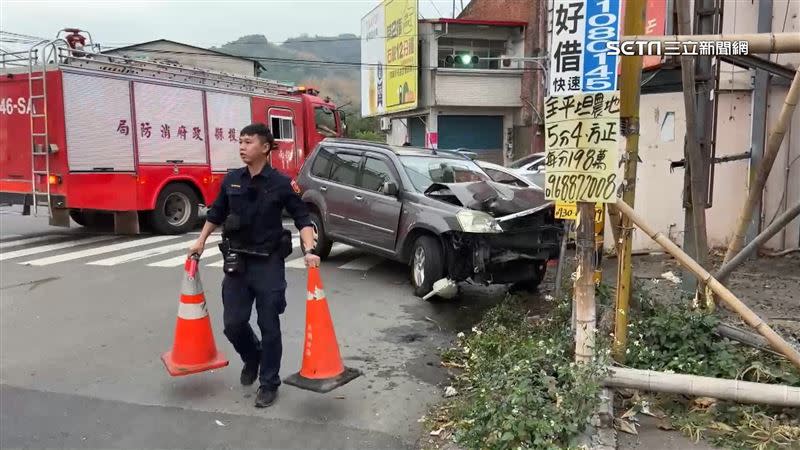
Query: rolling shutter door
[227,114]
[97,115]
[480,134]
[170,124]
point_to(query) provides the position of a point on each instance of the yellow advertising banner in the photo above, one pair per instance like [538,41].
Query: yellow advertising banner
[582,136]
[401,54]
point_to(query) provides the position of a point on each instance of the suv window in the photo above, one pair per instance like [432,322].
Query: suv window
[344,168]
[375,173]
[322,164]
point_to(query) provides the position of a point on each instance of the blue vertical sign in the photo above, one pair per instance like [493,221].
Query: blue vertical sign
[602,25]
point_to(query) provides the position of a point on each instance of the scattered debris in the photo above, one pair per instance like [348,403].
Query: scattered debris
[219,423]
[669,276]
[625,426]
[450,391]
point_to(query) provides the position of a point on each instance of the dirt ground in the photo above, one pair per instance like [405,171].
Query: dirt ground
[770,286]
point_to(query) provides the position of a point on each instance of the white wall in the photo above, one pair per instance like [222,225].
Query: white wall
[399,132]
[659,193]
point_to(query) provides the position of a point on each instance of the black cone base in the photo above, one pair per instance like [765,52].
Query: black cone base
[325,384]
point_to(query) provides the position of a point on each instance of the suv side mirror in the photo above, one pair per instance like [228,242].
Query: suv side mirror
[390,188]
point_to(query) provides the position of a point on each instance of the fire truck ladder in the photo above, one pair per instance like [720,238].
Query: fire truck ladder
[40,140]
[172,72]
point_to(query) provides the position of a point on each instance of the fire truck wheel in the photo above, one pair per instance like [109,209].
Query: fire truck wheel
[176,210]
[78,217]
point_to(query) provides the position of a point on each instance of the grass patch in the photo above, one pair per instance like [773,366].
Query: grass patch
[675,339]
[519,386]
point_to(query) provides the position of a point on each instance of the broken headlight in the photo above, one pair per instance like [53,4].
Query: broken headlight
[472,221]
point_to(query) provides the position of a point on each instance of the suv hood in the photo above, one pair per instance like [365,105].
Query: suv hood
[497,199]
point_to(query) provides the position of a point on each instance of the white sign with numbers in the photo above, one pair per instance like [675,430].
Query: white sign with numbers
[580,60]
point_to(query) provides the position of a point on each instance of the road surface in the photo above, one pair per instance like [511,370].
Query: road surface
[85,316]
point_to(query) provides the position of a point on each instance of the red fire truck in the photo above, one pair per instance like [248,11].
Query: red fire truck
[86,135]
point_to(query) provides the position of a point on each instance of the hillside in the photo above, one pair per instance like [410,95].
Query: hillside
[294,61]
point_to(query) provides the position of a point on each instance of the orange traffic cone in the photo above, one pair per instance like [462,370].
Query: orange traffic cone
[194,349]
[322,369]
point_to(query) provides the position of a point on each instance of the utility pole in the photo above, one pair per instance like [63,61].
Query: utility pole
[585,314]
[630,91]
[698,79]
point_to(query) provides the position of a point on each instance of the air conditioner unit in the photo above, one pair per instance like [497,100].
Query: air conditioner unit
[386,123]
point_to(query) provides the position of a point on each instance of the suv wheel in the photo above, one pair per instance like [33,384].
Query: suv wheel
[324,243]
[426,264]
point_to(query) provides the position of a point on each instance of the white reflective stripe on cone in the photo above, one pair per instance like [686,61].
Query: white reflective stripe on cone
[192,311]
[318,294]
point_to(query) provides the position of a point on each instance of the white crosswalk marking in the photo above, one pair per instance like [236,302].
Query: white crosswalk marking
[364,263]
[97,251]
[52,247]
[184,245]
[17,243]
[180,260]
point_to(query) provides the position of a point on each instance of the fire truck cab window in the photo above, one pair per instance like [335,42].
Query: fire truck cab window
[325,121]
[282,128]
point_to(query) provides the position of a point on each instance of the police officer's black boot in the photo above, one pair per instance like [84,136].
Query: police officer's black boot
[265,396]
[249,372]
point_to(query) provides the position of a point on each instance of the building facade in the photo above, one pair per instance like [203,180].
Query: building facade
[745,115]
[471,104]
[168,51]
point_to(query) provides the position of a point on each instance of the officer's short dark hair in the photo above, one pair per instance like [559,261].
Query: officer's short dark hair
[260,130]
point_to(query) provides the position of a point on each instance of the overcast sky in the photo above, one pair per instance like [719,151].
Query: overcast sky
[201,23]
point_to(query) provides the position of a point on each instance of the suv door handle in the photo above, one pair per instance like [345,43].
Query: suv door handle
[323,188]
[359,198]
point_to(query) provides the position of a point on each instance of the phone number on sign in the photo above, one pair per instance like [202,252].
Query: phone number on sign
[580,187]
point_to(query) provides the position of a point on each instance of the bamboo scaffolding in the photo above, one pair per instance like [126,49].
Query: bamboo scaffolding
[780,222]
[775,341]
[630,93]
[773,148]
[735,390]
[757,42]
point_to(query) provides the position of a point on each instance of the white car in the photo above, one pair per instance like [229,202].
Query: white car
[514,177]
[531,166]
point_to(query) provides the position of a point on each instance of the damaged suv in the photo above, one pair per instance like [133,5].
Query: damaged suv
[437,211]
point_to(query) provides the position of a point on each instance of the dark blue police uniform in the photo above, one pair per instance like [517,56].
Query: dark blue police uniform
[259,201]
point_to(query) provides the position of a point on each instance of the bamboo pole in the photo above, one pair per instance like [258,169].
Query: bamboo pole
[775,341]
[773,148]
[630,91]
[695,167]
[757,42]
[695,385]
[780,222]
[584,305]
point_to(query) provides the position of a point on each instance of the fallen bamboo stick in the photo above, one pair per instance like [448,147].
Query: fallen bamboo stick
[779,223]
[775,341]
[757,42]
[723,389]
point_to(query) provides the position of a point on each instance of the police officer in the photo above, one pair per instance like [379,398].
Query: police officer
[254,245]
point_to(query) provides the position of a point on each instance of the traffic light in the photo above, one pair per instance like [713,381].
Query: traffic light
[461,60]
